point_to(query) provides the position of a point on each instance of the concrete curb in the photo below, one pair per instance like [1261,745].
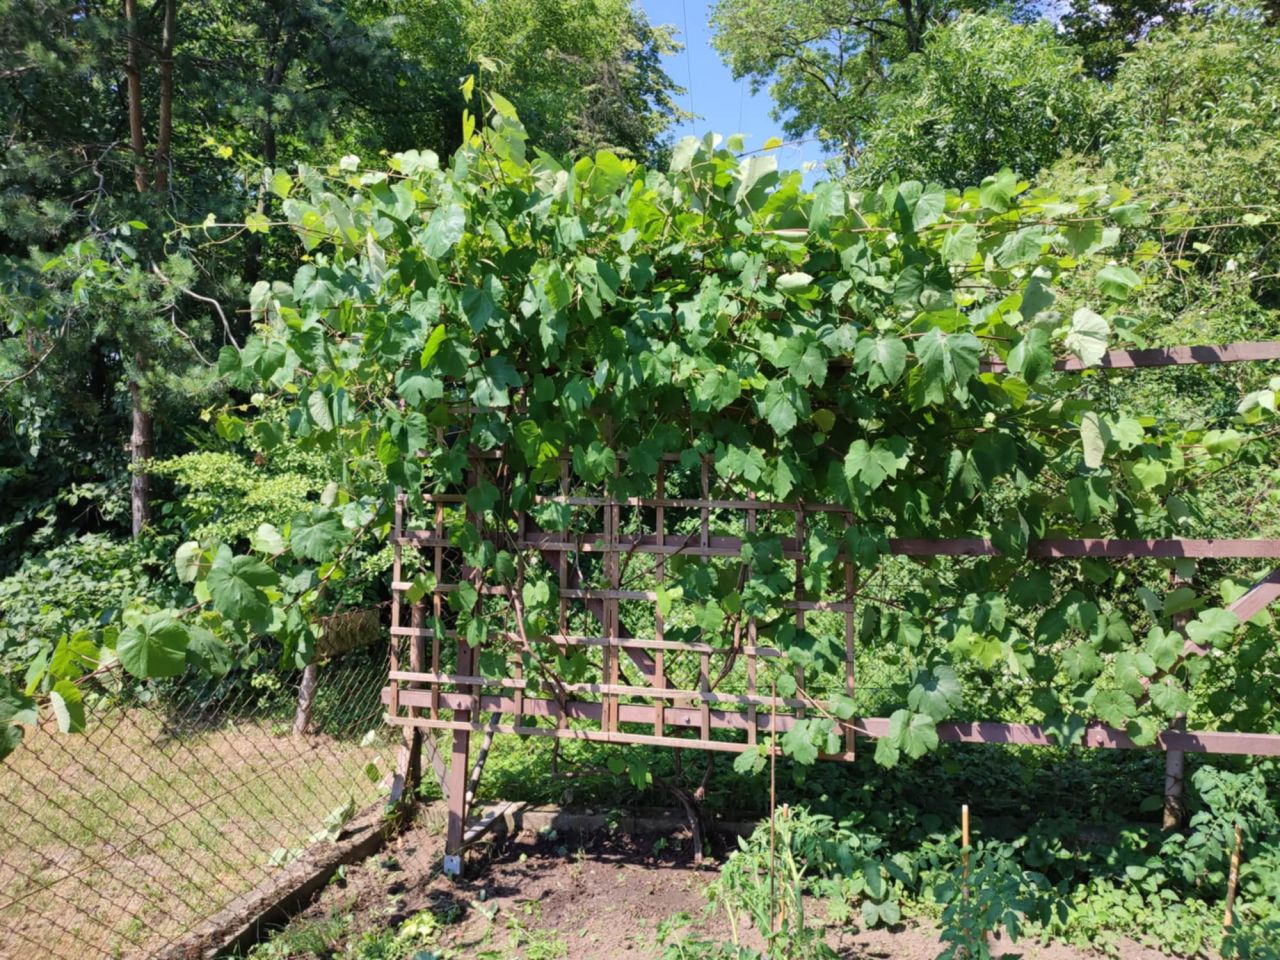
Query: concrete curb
[513,818]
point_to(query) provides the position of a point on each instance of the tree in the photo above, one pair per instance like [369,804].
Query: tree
[983,94]
[1105,32]
[826,62]
[586,74]
[162,114]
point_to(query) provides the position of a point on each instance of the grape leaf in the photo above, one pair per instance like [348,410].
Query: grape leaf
[156,646]
[236,588]
[317,535]
[936,693]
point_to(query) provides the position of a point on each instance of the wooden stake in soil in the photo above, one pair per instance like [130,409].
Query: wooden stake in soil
[1233,878]
[964,848]
[773,791]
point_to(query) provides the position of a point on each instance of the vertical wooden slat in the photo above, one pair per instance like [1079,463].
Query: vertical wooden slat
[752,713]
[393,704]
[1175,762]
[704,671]
[613,612]
[850,651]
[660,571]
[519,664]
[437,610]
[799,591]
[562,566]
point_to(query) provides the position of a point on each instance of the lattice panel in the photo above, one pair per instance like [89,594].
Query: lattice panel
[634,676]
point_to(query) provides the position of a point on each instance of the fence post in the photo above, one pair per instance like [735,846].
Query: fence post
[457,793]
[306,697]
[1175,761]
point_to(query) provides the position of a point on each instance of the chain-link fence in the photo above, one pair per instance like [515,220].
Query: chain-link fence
[177,799]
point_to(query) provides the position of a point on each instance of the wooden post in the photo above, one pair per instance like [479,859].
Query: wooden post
[306,697]
[1233,879]
[456,827]
[964,849]
[458,759]
[1175,761]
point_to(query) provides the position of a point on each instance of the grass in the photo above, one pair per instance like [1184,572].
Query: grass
[122,838]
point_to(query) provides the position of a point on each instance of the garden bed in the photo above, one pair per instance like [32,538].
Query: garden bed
[560,895]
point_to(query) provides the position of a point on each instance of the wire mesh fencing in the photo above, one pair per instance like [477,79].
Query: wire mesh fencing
[177,799]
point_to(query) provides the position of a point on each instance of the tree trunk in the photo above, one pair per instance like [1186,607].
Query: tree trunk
[133,84]
[164,134]
[140,450]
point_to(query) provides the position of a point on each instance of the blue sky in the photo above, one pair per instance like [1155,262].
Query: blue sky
[722,104]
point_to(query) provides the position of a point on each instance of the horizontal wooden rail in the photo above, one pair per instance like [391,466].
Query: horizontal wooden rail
[1240,352]
[621,643]
[604,689]
[1096,735]
[728,546]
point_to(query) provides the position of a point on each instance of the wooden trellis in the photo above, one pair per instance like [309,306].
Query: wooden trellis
[657,689]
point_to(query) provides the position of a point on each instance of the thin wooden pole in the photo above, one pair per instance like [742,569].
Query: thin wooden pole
[773,796]
[964,848]
[1233,880]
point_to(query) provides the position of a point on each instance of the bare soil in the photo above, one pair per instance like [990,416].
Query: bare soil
[586,897]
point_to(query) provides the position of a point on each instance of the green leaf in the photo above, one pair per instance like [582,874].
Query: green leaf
[915,734]
[1169,698]
[798,743]
[15,706]
[1164,647]
[998,190]
[887,752]
[749,762]
[318,407]
[947,360]
[929,207]
[960,244]
[190,562]
[281,184]
[871,464]
[444,229]
[936,693]
[1213,627]
[1031,357]
[209,654]
[236,587]
[1114,707]
[1117,282]
[752,171]
[266,539]
[1088,336]
[419,389]
[594,462]
[1150,474]
[432,346]
[880,359]
[794,282]
[779,407]
[156,646]
[1092,440]
[68,706]
[257,223]
[317,535]
[683,153]
[828,205]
